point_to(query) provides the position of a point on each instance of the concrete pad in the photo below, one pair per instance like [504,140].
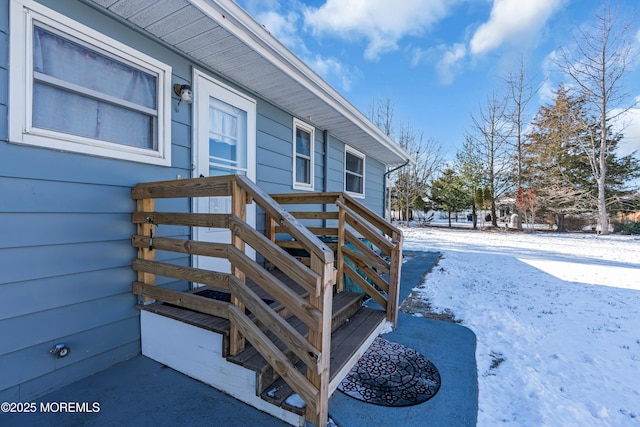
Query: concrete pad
[142,392]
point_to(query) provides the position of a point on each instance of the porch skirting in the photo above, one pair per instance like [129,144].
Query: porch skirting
[197,352]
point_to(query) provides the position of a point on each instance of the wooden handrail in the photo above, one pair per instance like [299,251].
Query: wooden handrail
[191,247]
[278,360]
[278,257]
[190,274]
[326,198]
[186,219]
[291,300]
[183,299]
[193,187]
[355,221]
[366,229]
[376,220]
[286,220]
[373,258]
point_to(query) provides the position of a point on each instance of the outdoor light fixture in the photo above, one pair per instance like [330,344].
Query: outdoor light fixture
[184,94]
[60,350]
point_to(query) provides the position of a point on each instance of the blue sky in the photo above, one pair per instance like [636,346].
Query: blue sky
[436,60]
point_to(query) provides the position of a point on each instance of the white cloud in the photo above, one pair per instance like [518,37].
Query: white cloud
[283,27]
[381,23]
[450,62]
[546,93]
[629,124]
[513,22]
[286,28]
[332,68]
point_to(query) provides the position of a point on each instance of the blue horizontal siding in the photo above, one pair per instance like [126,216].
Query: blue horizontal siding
[36,361]
[274,149]
[31,296]
[38,262]
[31,195]
[35,163]
[46,383]
[26,331]
[336,165]
[39,229]
[374,186]
[4,66]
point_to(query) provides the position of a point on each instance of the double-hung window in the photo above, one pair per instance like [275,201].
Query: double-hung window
[354,163]
[75,89]
[303,151]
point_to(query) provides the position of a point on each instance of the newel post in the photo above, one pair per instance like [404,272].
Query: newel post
[239,209]
[147,253]
[320,338]
[270,232]
[394,278]
[339,255]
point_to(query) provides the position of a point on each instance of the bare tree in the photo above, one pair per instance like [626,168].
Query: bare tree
[413,180]
[490,141]
[520,91]
[597,63]
[381,114]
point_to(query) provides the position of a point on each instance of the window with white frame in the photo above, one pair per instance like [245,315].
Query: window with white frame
[354,162]
[75,89]
[303,151]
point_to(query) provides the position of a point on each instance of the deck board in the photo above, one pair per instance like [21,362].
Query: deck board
[343,307]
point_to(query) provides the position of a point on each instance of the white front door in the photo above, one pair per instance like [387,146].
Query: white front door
[224,144]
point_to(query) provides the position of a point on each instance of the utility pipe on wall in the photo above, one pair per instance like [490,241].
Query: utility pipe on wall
[384,190]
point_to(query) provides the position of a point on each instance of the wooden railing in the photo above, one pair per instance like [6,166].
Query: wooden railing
[316,276]
[368,248]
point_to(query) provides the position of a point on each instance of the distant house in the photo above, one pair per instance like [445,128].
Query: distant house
[98,96]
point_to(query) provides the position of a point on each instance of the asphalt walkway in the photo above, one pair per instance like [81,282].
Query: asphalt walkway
[449,346]
[141,392]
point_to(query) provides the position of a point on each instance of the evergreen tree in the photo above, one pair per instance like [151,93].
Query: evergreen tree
[561,160]
[447,193]
[553,159]
[469,169]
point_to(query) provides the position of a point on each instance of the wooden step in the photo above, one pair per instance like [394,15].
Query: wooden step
[345,305]
[348,343]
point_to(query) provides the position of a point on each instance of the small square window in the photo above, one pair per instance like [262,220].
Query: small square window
[354,163]
[85,92]
[303,153]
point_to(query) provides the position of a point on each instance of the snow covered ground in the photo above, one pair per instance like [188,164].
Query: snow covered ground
[557,319]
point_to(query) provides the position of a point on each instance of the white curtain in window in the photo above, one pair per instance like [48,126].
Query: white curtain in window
[227,138]
[59,109]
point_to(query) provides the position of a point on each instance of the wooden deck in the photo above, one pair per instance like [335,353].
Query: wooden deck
[366,251]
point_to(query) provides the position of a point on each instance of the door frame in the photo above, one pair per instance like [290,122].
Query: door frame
[204,85]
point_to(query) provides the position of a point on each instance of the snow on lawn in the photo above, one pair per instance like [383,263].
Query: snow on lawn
[557,320]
